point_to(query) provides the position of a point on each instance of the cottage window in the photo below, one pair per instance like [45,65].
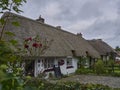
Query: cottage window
[38,61]
[48,63]
[69,62]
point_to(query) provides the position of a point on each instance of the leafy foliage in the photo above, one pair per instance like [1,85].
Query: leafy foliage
[99,67]
[10,71]
[11,5]
[82,62]
[16,24]
[84,71]
[117,48]
[111,65]
[36,46]
[8,6]
[45,85]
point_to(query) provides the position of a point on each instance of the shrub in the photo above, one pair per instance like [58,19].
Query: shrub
[44,85]
[111,66]
[99,67]
[64,76]
[116,74]
[83,71]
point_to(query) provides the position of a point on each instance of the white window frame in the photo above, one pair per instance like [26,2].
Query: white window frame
[48,63]
[69,62]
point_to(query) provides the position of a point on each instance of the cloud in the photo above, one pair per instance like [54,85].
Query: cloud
[89,10]
[80,26]
[107,30]
[93,18]
[52,10]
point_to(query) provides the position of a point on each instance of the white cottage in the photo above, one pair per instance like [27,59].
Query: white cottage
[105,51]
[67,65]
[63,52]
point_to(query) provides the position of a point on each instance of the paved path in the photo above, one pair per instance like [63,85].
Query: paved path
[113,82]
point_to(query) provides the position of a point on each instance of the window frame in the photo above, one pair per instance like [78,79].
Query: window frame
[48,63]
[69,63]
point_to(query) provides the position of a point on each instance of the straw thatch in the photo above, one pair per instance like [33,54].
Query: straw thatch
[102,47]
[64,43]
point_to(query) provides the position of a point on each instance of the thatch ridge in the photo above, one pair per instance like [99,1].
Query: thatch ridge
[23,17]
[102,47]
[63,41]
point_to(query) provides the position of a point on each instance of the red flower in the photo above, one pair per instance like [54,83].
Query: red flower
[26,46]
[40,45]
[36,45]
[28,39]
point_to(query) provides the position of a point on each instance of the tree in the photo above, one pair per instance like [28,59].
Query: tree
[10,70]
[35,47]
[117,48]
[8,6]
[10,78]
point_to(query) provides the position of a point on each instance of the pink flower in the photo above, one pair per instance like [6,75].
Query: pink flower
[26,46]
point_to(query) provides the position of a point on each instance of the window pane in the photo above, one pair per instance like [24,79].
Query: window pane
[69,62]
[49,62]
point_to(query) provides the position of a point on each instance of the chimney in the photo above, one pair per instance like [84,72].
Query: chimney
[58,27]
[99,39]
[40,19]
[79,34]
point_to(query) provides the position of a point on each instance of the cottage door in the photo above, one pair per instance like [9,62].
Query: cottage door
[57,71]
[29,67]
[40,67]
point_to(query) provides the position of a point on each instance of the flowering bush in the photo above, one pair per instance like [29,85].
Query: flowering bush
[45,85]
[36,46]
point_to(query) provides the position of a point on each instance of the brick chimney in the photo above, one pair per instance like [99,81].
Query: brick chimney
[99,39]
[58,27]
[40,19]
[79,34]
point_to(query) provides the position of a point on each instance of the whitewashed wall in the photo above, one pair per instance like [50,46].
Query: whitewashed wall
[72,70]
[64,69]
[35,68]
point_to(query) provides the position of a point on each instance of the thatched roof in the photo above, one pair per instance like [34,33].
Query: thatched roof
[64,43]
[118,53]
[102,47]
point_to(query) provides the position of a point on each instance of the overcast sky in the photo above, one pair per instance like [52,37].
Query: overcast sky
[93,18]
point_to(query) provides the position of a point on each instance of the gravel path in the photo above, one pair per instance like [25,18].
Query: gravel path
[113,82]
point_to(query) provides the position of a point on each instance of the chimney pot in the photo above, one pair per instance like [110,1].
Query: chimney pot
[79,34]
[100,39]
[58,27]
[40,19]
